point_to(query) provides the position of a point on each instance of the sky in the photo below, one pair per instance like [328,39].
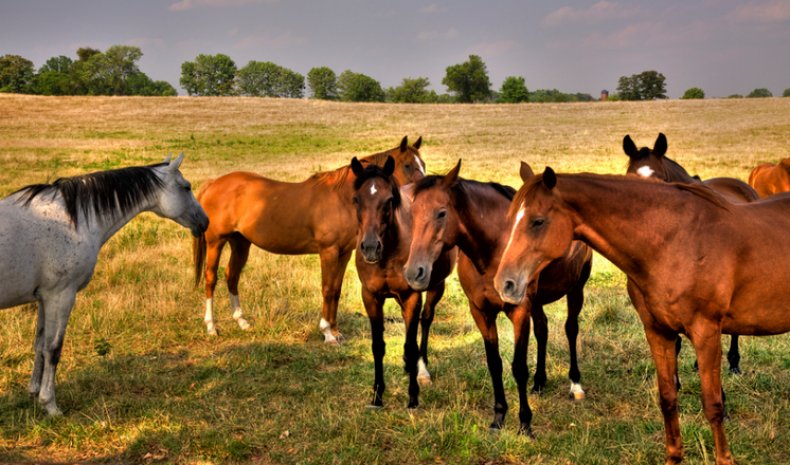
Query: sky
[724,47]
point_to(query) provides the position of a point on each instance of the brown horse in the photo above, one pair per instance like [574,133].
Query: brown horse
[449,211]
[384,219]
[768,179]
[700,266]
[313,216]
[653,163]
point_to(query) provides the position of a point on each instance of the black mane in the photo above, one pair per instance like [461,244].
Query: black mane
[430,181]
[111,193]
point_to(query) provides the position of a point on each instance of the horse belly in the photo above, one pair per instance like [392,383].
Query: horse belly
[19,273]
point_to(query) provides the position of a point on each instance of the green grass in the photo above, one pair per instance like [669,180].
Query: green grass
[140,382]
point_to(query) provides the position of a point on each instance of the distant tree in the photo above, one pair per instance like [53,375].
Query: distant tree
[121,63]
[84,53]
[266,79]
[647,85]
[786,93]
[762,92]
[140,84]
[693,93]
[468,81]
[514,90]
[16,74]
[209,75]
[357,87]
[735,96]
[412,90]
[322,82]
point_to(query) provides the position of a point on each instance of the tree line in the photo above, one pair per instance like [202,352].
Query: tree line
[115,72]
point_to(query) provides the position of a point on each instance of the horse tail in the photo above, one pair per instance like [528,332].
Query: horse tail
[199,243]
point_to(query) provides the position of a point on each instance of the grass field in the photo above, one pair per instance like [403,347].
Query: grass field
[141,382]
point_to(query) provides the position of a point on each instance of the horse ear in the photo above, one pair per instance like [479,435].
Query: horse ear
[418,143]
[525,171]
[660,147]
[177,162]
[356,166]
[452,176]
[549,178]
[404,143]
[389,166]
[629,147]
[167,158]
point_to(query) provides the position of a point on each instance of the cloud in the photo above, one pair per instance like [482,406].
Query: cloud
[599,11]
[492,49]
[773,11]
[146,42]
[273,42]
[431,8]
[427,36]
[633,35]
[184,5]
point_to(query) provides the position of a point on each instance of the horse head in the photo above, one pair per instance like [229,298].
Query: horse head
[541,230]
[434,226]
[647,162]
[408,163]
[176,200]
[376,197]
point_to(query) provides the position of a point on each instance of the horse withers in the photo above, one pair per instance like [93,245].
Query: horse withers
[700,266]
[50,238]
[293,218]
[450,211]
[384,222]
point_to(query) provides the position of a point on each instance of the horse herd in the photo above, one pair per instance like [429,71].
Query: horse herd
[702,257]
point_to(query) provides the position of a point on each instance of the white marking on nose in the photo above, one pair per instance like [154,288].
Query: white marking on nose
[373,189]
[645,172]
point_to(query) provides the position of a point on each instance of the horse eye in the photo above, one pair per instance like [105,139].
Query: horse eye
[441,214]
[356,200]
[188,187]
[537,222]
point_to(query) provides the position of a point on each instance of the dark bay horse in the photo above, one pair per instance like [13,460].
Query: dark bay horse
[313,216]
[768,179]
[382,249]
[700,266]
[449,211]
[51,235]
[653,163]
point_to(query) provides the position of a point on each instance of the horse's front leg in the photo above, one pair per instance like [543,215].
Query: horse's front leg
[374,306]
[410,306]
[542,337]
[575,303]
[38,346]
[734,356]
[520,318]
[432,297]
[333,268]
[706,337]
[57,309]
[486,323]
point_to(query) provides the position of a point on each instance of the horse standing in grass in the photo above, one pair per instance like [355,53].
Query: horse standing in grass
[449,211]
[768,179]
[699,266]
[384,219]
[654,164]
[50,236]
[312,216]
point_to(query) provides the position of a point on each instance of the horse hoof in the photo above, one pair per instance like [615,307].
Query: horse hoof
[424,380]
[413,406]
[576,393]
[243,324]
[53,410]
[526,431]
[537,390]
[736,370]
[212,332]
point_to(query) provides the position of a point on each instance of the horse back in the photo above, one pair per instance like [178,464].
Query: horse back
[734,190]
[768,178]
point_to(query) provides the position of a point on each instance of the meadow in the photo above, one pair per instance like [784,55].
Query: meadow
[140,381]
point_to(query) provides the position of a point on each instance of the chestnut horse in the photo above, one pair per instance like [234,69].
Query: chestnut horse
[653,163]
[768,179]
[312,216]
[449,211]
[382,249]
[699,265]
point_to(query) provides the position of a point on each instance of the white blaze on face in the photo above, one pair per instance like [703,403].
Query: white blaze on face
[519,217]
[420,164]
[373,189]
[645,172]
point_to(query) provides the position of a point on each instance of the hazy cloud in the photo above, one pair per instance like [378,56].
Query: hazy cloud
[277,41]
[599,11]
[183,5]
[492,49]
[775,11]
[633,35]
[431,8]
[427,36]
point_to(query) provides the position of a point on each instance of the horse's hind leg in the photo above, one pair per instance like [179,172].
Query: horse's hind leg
[333,268]
[542,337]
[57,310]
[486,323]
[410,307]
[38,347]
[213,251]
[734,356]
[432,297]
[239,252]
[575,303]
[520,318]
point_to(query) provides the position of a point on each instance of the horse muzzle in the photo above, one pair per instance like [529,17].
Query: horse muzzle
[511,287]
[417,275]
[372,250]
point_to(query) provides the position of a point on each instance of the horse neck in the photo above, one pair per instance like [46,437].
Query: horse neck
[618,218]
[481,223]
[676,173]
[102,229]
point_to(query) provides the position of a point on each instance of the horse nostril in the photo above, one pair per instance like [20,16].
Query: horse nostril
[420,273]
[510,286]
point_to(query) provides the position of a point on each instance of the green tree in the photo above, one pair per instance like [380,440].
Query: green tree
[54,77]
[322,82]
[412,90]
[120,62]
[513,90]
[786,93]
[16,74]
[762,92]
[266,79]
[647,85]
[209,75]
[693,93]
[358,87]
[468,81]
